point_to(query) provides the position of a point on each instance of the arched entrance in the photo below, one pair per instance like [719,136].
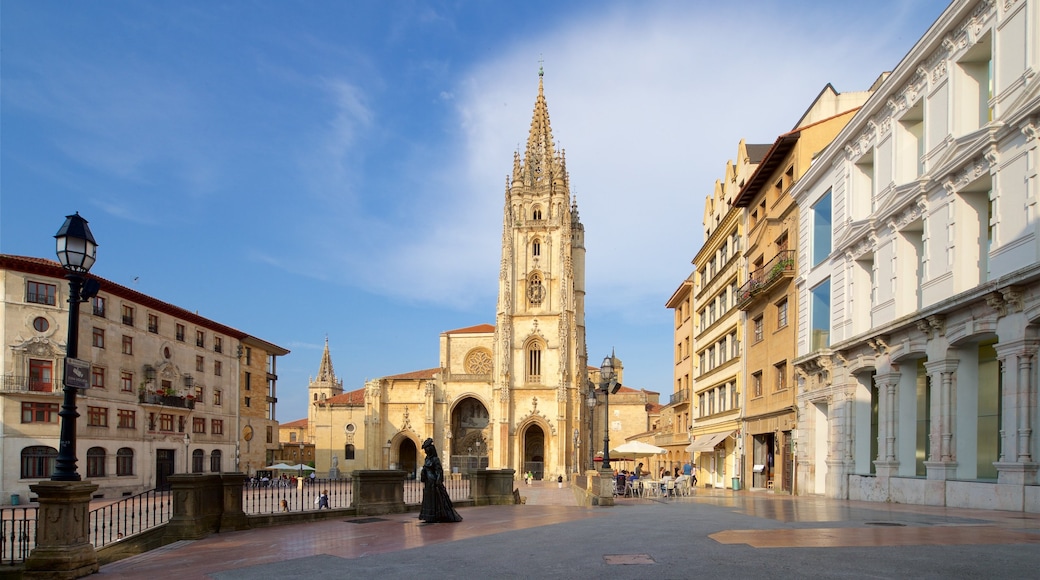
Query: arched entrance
[534,451]
[469,446]
[407,455]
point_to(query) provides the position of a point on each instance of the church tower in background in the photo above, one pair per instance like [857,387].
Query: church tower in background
[540,361]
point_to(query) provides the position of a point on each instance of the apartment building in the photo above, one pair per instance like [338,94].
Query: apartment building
[164,384]
[919,275]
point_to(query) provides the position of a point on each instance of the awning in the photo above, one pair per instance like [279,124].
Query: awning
[707,442]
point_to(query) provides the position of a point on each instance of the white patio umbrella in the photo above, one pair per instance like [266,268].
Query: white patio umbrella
[638,449]
[282,466]
[299,466]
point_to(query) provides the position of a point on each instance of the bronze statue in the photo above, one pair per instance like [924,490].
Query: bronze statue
[436,505]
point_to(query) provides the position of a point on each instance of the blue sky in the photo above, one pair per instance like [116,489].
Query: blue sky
[299,170]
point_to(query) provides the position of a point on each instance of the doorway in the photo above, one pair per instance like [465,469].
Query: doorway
[534,451]
[407,456]
[163,468]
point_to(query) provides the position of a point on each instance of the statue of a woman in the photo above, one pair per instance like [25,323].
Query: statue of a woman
[436,505]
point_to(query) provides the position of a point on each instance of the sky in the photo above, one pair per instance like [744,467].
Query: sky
[322,169]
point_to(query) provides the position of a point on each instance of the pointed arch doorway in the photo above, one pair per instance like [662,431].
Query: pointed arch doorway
[408,455]
[534,451]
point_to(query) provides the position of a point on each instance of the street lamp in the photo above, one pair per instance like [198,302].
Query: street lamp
[301,461]
[608,384]
[76,251]
[591,401]
[187,453]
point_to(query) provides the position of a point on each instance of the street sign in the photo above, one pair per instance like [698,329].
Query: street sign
[77,373]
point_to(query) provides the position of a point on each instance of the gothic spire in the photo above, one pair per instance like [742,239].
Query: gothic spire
[325,372]
[538,158]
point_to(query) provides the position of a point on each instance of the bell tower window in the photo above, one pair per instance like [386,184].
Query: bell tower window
[536,248]
[536,213]
[535,289]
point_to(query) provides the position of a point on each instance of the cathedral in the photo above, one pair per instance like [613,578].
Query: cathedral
[507,396]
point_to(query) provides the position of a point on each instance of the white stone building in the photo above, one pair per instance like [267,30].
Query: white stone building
[919,276]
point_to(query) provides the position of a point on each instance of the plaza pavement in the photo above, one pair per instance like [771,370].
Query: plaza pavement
[716,533]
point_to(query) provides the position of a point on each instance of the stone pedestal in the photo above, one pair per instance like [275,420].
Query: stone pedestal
[233,517]
[197,506]
[378,492]
[492,486]
[1016,473]
[604,488]
[63,548]
[941,470]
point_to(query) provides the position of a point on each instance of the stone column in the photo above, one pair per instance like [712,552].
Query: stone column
[63,548]
[887,462]
[1019,393]
[942,454]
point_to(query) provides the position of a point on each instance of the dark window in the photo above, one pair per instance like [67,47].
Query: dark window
[128,344]
[217,427]
[126,381]
[97,416]
[214,461]
[40,324]
[128,315]
[218,344]
[200,338]
[96,462]
[39,412]
[98,304]
[40,293]
[38,461]
[165,422]
[127,419]
[198,425]
[153,324]
[198,459]
[98,338]
[125,461]
[97,377]
[348,452]
[180,332]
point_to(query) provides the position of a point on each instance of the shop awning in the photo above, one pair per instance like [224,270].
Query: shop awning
[707,442]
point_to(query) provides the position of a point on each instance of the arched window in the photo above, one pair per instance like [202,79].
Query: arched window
[536,213]
[348,452]
[536,248]
[125,461]
[535,290]
[96,462]
[38,461]
[534,362]
[198,460]
[214,461]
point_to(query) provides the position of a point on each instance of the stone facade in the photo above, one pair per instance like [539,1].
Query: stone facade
[920,277]
[165,384]
[512,395]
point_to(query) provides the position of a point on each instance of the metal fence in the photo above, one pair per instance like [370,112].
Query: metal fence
[274,496]
[128,516]
[17,533]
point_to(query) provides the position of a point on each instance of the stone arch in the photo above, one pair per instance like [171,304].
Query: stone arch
[470,434]
[404,454]
[533,445]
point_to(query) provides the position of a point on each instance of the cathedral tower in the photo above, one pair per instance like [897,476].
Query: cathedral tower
[540,359]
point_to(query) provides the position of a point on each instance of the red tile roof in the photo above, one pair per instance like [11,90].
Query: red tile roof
[297,424]
[423,374]
[473,329]
[351,399]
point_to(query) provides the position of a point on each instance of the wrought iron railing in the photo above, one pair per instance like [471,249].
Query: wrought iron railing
[187,402]
[24,384]
[679,397]
[260,497]
[17,533]
[129,516]
[761,278]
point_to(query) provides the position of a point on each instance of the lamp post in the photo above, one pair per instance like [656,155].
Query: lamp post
[76,251]
[591,401]
[301,461]
[608,384]
[187,453]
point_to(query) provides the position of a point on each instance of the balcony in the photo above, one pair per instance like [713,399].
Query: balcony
[23,384]
[679,397]
[765,278]
[175,401]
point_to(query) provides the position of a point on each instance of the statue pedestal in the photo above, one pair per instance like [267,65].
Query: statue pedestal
[63,548]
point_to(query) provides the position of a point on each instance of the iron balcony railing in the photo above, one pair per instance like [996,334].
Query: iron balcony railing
[679,397]
[176,401]
[782,265]
[24,384]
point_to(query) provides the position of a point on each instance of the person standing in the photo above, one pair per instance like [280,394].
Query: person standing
[436,505]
